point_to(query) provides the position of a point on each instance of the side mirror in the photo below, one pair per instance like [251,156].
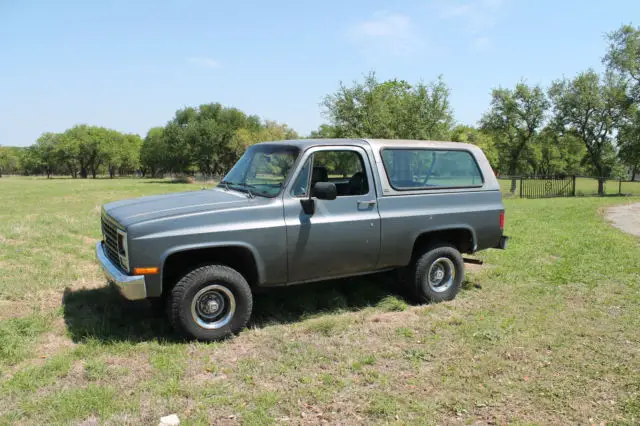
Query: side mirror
[321,191]
[324,191]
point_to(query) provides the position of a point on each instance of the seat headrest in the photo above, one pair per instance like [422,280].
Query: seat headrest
[319,174]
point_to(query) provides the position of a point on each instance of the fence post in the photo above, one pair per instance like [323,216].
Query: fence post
[521,179]
[573,189]
[620,187]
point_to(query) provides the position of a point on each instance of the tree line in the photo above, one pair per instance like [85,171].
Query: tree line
[82,151]
[208,139]
[585,125]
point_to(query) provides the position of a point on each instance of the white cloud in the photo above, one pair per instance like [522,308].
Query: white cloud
[204,61]
[476,15]
[455,10]
[481,43]
[386,33]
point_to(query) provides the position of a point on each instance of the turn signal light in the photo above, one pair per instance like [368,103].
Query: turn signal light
[145,271]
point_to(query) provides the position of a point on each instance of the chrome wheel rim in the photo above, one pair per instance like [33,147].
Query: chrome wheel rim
[441,275]
[213,306]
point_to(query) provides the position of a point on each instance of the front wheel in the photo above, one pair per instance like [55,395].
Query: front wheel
[211,303]
[437,274]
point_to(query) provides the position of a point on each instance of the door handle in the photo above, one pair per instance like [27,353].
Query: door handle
[369,203]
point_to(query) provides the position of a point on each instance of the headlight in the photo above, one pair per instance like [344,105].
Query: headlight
[123,250]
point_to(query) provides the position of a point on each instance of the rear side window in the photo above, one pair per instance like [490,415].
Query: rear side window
[430,169]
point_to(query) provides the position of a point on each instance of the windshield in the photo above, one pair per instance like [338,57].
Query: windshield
[261,170]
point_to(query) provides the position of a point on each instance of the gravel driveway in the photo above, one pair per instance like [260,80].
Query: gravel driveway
[625,217]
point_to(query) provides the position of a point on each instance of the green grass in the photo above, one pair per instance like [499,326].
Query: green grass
[392,304]
[30,379]
[630,188]
[18,334]
[48,227]
[547,333]
[78,403]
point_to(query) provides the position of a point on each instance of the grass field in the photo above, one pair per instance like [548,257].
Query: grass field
[546,333]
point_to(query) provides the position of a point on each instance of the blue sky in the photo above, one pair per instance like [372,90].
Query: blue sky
[129,65]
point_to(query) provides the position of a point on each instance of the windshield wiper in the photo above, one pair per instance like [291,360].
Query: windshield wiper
[240,184]
[248,187]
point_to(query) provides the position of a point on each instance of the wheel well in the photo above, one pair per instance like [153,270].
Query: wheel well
[460,238]
[179,264]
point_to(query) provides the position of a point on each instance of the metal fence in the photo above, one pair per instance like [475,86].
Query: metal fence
[565,186]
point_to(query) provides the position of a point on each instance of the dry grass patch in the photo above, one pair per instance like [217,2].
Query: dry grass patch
[13,309]
[53,343]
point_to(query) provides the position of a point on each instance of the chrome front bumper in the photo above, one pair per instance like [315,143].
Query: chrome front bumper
[132,287]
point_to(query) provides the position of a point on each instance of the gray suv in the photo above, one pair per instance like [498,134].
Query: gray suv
[293,212]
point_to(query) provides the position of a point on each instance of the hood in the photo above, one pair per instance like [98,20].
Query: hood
[129,212]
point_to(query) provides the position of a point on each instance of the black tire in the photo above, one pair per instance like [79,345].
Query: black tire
[441,257]
[217,284]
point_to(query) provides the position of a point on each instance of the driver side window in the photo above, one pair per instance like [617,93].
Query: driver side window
[344,168]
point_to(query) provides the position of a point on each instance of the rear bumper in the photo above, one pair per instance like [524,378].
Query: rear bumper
[502,244]
[132,287]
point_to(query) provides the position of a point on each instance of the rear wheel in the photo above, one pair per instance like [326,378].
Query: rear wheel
[211,303]
[437,274]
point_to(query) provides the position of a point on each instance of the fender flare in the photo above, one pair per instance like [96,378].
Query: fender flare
[221,244]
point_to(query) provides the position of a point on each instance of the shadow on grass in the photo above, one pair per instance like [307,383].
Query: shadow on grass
[104,315]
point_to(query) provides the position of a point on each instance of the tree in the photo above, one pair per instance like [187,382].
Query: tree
[270,131]
[514,120]
[11,159]
[325,131]
[119,152]
[68,151]
[274,131]
[152,152]
[623,56]
[30,162]
[84,146]
[629,143]
[483,140]
[130,160]
[94,147]
[111,144]
[212,137]
[5,159]
[47,152]
[555,153]
[393,109]
[84,149]
[179,156]
[591,109]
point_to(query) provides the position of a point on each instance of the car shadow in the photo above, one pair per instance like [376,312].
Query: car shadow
[102,314]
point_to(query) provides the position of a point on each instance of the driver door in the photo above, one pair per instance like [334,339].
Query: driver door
[342,236]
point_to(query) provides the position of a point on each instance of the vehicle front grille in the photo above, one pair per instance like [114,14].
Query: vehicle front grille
[110,233]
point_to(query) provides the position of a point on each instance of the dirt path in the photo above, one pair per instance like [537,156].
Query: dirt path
[625,217]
